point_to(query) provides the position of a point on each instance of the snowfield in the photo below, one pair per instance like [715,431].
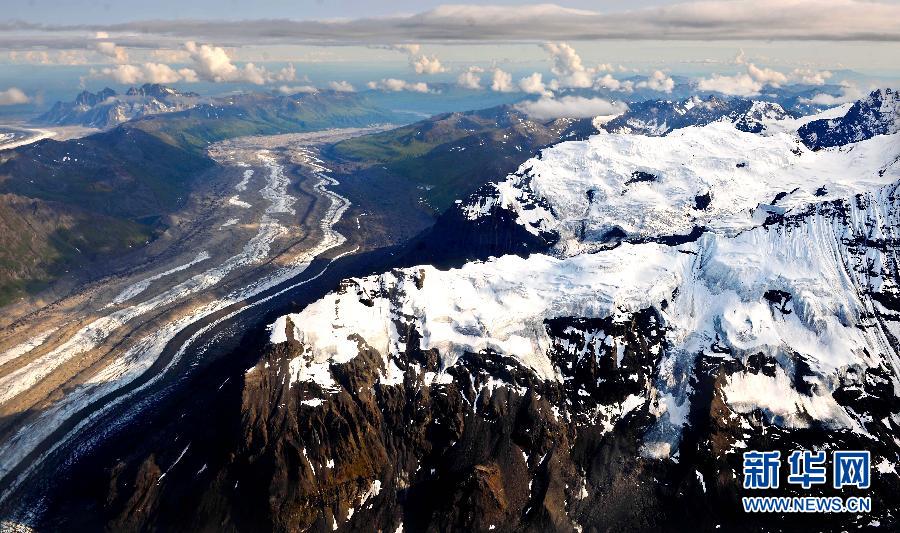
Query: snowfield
[794,276]
[714,176]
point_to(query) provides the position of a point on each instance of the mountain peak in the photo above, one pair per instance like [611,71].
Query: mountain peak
[157,90]
[106,108]
[877,114]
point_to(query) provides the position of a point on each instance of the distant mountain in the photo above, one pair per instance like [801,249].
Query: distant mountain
[450,155]
[878,114]
[134,174]
[265,114]
[676,301]
[659,117]
[105,109]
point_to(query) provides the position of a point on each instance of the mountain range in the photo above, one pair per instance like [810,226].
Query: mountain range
[105,109]
[135,174]
[589,342]
[601,319]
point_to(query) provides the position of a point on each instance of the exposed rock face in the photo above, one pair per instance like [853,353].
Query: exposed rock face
[610,381]
[637,394]
[879,114]
[660,117]
[105,109]
[475,229]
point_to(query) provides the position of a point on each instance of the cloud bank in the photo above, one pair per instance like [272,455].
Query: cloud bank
[570,107]
[751,82]
[868,20]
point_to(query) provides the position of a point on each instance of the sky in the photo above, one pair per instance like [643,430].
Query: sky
[104,12]
[732,46]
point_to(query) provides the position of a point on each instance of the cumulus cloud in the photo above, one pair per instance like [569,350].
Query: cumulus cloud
[145,73]
[570,107]
[427,65]
[609,67]
[341,86]
[766,76]
[871,20]
[420,63]
[748,83]
[501,81]
[395,85]
[109,49]
[534,84]
[470,78]
[607,81]
[658,81]
[567,65]
[737,85]
[212,63]
[810,77]
[13,96]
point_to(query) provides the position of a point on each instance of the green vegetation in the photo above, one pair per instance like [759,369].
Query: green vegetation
[41,240]
[68,203]
[256,114]
[449,156]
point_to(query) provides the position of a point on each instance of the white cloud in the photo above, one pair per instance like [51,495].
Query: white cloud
[427,65]
[420,63]
[306,89]
[609,67]
[212,63]
[145,73]
[850,92]
[810,77]
[766,76]
[738,85]
[13,96]
[658,81]
[570,107]
[395,85]
[748,83]
[501,81]
[288,73]
[109,49]
[567,66]
[470,78]
[534,84]
[341,86]
[613,84]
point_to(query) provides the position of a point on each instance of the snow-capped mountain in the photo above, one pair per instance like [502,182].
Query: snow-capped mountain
[879,114]
[694,295]
[659,117]
[105,108]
